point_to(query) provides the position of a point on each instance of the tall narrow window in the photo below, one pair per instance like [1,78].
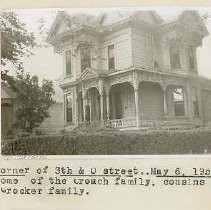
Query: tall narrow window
[85,57]
[111,60]
[68,63]
[174,56]
[195,102]
[69,109]
[191,57]
[178,96]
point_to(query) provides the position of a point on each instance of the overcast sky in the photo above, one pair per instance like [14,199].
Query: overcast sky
[47,64]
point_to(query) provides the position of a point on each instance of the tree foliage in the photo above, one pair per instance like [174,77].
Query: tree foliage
[16,41]
[33,101]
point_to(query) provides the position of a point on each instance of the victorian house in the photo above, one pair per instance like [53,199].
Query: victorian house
[132,69]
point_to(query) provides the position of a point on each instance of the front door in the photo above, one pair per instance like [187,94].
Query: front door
[118,105]
[88,113]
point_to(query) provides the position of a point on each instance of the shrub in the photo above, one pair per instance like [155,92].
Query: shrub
[108,141]
[38,132]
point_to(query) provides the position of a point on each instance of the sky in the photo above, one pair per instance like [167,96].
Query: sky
[47,64]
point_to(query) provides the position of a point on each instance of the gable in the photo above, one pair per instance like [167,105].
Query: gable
[88,73]
[192,19]
[65,21]
[55,26]
[63,27]
[147,17]
[110,18]
[189,17]
[6,91]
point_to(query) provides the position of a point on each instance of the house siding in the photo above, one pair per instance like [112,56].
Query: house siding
[206,105]
[139,49]
[127,100]
[151,101]
[145,49]
[122,48]
[55,123]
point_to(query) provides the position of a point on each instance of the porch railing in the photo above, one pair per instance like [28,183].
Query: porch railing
[121,123]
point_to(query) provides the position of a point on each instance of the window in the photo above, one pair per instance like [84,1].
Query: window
[195,102]
[85,57]
[191,57]
[178,96]
[68,62]
[174,56]
[111,60]
[69,110]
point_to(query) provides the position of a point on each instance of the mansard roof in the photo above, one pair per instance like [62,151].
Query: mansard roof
[67,23]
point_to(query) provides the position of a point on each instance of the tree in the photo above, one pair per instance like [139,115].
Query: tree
[33,101]
[16,41]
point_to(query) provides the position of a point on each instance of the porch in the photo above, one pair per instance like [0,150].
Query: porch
[134,99]
[121,106]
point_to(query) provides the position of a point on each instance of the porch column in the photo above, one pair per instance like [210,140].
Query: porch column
[101,99]
[76,111]
[136,85]
[64,108]
[76,105]
[101,107]
[137,107]
[84,109]
[107,106]
[107,102]
[90,105]
[84,104]
[165,103]
[199,102]
[188,102]
[113,108]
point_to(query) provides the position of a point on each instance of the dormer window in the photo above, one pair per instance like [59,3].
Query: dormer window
[68,63]
[111,59]
[191,57]
[174,56]
[85,57]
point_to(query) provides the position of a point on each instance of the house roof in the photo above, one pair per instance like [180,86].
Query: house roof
[66,21]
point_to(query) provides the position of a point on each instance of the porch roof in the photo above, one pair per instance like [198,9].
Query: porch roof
[95,74]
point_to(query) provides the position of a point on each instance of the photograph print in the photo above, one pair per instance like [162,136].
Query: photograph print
[106,81]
